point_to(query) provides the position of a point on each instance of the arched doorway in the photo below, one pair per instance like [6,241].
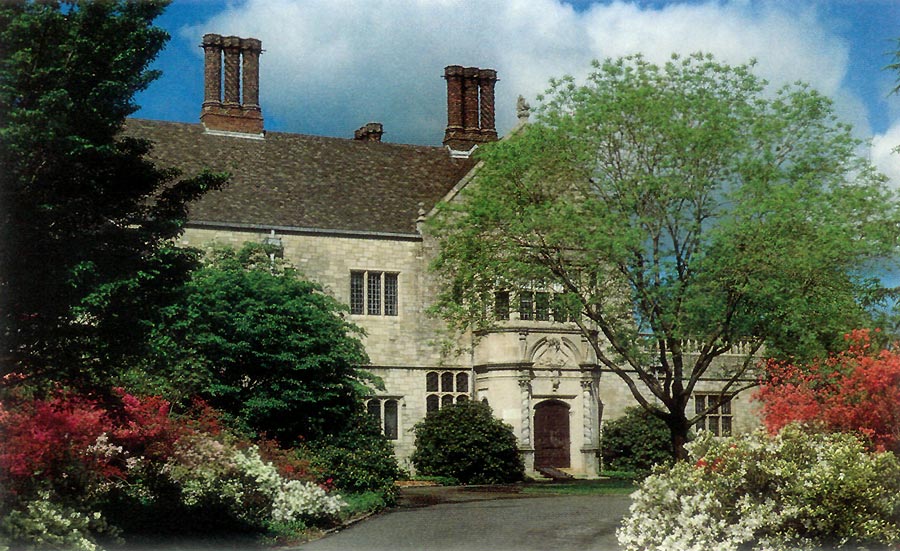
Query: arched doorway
[551,434]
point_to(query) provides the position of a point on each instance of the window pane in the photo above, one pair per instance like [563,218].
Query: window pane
[725,407]
[501,305]
[431,382]
[462,398]
[462,382]
[713,425]
[374,294]
[390,419]
[357,293]
[699,404]
[446,382]
[542,306]
[526,305]
[431,403]
[373,406]
[390,294]
[726,426]
[446,400]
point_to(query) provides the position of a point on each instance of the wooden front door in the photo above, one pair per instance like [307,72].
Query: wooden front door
[551,434]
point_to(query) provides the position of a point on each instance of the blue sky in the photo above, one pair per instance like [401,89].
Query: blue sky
[331,66]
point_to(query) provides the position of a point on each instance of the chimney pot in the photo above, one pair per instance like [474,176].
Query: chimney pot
[470,106]
[371,132]
[226,110]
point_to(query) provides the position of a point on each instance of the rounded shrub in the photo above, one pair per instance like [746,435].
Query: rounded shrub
[636,442]
[466,442]
[358,459]
[794,490]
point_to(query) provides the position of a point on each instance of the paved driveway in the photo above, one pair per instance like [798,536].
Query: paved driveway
[496,523]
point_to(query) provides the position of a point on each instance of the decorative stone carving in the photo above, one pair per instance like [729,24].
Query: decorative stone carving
[553,355]
[587,417]
[525,390]
[523,110]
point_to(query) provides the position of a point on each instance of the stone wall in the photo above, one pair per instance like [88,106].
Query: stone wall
[515,369]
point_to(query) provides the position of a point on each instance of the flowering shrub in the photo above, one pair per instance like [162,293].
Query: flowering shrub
[251,490]
[854,391]
[61,442]
[793,490]
[69,463]
[44,523]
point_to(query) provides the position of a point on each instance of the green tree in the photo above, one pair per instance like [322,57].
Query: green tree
[683,209]
[87,222]
[267,348]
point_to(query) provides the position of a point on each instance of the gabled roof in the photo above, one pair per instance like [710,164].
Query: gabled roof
[295,181]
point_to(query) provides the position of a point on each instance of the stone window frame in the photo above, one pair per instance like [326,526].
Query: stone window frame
[374,293]
[444,387]
[531,305]
[720,421]
[387,415]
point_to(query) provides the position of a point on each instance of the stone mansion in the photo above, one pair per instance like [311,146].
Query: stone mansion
[349,214]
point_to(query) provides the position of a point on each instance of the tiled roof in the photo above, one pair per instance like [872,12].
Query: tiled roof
[299,181]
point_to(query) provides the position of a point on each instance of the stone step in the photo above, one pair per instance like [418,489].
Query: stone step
[554,473]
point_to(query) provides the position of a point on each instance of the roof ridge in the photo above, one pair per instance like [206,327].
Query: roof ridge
[363,143]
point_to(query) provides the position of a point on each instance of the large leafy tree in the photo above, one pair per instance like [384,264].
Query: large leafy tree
[266,347]
[683,209]
[87,221]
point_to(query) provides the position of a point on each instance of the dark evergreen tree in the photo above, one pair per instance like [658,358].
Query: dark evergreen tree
[87,221]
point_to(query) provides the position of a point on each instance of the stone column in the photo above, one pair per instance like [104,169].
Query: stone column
[212,70]
[588,416]
[232,48]
[526,444]
[525,394]
[587,412]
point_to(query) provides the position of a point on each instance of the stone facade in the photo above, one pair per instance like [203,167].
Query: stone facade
[348,214]
[521,369]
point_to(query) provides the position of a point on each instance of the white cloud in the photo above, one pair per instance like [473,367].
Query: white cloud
[884,157]
[331,66]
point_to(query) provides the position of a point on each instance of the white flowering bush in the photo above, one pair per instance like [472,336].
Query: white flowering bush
[47,524]
[794,490]
[296,500]
[250,489]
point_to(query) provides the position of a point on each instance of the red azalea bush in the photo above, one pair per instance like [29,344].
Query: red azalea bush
[74,468]
[68,443]
[857,390]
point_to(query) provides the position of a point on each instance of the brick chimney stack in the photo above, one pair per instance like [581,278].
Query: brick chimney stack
[228,110]
[371,132]
[470,106]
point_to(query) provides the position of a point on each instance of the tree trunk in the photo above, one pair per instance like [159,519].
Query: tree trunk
[679,429]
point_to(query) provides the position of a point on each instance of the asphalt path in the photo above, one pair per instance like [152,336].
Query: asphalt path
[496,523]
